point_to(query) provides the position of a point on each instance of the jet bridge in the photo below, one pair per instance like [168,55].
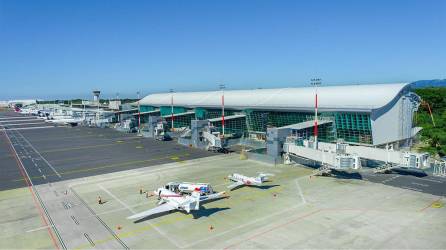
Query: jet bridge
[340,155]
[334,159]
[202,135]
[276,137]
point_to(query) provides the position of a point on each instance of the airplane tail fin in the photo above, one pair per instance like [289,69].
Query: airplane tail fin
[195,204]
[263,177]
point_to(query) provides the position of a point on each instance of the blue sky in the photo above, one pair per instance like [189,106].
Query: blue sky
[61,49]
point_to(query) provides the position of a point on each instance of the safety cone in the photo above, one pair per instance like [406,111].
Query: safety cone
[211,228]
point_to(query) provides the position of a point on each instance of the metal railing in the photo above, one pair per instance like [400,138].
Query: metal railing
[439,168]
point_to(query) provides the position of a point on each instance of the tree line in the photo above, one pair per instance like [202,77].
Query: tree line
[433,134]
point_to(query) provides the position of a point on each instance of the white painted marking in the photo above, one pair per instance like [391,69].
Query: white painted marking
[300,192]
[39,170]
[243,225]
[120,209]
[35,150]
[411,188]
[27,128]
[432,180]
[21,163]
[37,229]
[304,202]
[16,118]
[133,212]
[20,124]
[420,184]
[390,179]
[44,177]
[142,172]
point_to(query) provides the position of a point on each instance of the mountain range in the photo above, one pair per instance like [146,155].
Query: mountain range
[429,83]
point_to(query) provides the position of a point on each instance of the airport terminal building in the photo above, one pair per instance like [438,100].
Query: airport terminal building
[374,114]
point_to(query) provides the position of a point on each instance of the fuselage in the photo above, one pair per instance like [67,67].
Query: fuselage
[177,200]
[245,179]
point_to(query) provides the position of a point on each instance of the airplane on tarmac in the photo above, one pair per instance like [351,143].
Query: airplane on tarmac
[73,121]
[241,180]
[170,201]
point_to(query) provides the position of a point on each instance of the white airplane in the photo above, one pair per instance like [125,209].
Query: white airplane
[170,201]
[66,121]
[25,111]
[241,180]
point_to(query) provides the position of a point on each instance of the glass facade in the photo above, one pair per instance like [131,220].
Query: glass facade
[354,127]
[350,126]
[236,127]
[180,121]
[204,114]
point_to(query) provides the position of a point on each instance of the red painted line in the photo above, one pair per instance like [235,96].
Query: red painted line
[273,228]
[430,204]
[28,183]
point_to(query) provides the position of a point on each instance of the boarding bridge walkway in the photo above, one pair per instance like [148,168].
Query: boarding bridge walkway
[306,124]
[178,114]
[328,153]
[402,158]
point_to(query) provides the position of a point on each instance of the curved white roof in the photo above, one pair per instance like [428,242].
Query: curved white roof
[347,97]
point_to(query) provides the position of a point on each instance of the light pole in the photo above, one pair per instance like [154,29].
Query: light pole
[315,82]
[171,108]
[139,114]
[117,103]
[222,88]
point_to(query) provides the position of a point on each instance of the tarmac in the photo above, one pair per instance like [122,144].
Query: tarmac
[57,207]
[293,210]
[419,181]
[61,153]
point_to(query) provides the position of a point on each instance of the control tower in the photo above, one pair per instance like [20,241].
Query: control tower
[96,94]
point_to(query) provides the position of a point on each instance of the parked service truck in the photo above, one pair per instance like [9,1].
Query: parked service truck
[188,187]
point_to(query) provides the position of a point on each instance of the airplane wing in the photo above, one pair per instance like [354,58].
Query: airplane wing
[157,210]
[211,196]
[236,184]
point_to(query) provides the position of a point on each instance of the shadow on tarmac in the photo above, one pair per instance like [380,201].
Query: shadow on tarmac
[263,187]
[400,171]
[206,212]
[345,175]
[406,171]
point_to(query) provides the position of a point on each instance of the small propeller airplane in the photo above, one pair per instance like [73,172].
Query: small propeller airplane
[169,201]
[241,180]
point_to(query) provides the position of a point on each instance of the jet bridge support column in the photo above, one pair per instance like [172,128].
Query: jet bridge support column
[275,138]
[197,127]
[152,124]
